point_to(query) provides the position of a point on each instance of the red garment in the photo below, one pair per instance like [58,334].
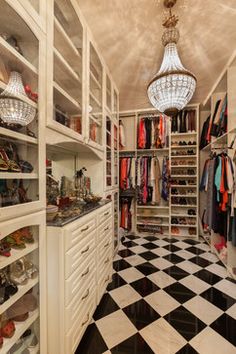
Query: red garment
[142,135]
[123,173]
[223,191]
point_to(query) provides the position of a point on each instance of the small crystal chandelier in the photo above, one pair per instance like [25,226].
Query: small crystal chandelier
[173,86]
[14,108]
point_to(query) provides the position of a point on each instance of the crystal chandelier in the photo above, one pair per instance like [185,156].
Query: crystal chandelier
[173,86]
[14,108]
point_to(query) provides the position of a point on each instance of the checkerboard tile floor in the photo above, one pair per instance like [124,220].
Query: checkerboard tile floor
[167,296]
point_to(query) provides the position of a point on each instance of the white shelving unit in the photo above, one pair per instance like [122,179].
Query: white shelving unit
[224,85]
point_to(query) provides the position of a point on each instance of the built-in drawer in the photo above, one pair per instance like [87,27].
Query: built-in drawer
[105,230]
[78,327]
[105,279]
[104,247]
[79,230]
[104,213]
[77,306]
[79,253]
[80,279]
[104,263]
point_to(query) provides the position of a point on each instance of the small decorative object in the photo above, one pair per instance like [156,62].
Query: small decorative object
[14,109]
[92,199]
[173,86]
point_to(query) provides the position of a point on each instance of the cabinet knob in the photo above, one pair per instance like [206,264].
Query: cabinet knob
[105,214]
[106,245]
[86,250]
[107,228]
[107,260]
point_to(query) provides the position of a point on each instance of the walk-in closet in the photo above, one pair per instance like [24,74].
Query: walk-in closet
[117,177]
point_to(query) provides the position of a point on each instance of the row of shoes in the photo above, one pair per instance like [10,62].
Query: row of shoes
[183,221]
[25,344]
[175,230]
[183,153]
[18,312]
[191,212]
[182,201]
[17,273]
[183,182]
[10,160]
[183,162]
[183,143]
[184,171]
[175,191]
[16,240]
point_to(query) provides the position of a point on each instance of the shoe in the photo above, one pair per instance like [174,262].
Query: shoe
[12,165]
[192,231]
[174,221]
[7,326]
[5,248]
[17,272]
[182,182]
[30,269]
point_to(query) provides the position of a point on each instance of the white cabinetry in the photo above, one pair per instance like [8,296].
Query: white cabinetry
[80,267]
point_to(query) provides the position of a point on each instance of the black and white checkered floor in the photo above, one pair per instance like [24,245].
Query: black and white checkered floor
[167,296]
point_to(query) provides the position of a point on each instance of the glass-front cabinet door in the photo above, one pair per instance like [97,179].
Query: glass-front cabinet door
[115,155]
[108,152]
[67,70]
[108,94]
[115,113]
[116,219]
[95,96]
[21,110]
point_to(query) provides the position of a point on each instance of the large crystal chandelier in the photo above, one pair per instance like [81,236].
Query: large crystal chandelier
[14,107]
[173,86]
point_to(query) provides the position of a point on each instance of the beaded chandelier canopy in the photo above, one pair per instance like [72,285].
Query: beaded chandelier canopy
[173,86]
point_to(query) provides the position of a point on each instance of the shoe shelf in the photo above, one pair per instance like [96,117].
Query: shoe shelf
[184,195]
[20,137]
[20,175]
[184,206]
[183,216]
[22,290]
[183,235]
[153,216]
[183,166]
[183,225]
[21,327]
[193,133]
[183,156]
[153,207]
[183,186]
[183,176]
[147,224]
[17,254]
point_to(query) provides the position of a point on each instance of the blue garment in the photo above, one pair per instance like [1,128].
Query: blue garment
[218,178]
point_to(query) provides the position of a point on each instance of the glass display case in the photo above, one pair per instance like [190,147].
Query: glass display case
[95,96]
[108,152]
[67,67]
[115,106]
[115,156]
[108,93]
[20,136]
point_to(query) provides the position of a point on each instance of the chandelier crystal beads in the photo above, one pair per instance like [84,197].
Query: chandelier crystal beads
[173,86]
[14,108]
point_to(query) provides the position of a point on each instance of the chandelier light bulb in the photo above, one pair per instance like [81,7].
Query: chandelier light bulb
[173,86]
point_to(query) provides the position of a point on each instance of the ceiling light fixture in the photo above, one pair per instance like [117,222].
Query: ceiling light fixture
[173,86]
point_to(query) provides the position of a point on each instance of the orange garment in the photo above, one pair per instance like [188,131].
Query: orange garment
[141,135]
[123,173]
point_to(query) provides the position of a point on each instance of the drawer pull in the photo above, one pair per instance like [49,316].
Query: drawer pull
[85,229]
[107,279]
[86,250]
[85,321]
[106,245]
[87,294]
[107,213]
[107,260]
[85,273]
[107,228]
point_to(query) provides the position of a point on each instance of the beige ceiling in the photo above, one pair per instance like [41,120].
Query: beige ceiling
[128,33]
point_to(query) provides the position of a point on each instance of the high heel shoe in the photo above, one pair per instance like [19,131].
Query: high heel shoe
[12,165]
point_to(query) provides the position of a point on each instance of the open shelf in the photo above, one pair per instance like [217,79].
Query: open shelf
[181,225]
[17,254]
[22,290]
[152,207]
[183,216]
[153,216]
[21,327]
[19,175]
[183,186]
[183,206]
[19,136]
[183,166]
[183,147]
[182,156]
[183,134]
[221,140]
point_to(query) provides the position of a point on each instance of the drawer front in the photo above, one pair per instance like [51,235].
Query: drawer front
[79,253]
[80,279]
[74,311]
[104,248]
[103,283]
[104,213]
[79,231]
[105,230]
[105,265]
[73,338]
